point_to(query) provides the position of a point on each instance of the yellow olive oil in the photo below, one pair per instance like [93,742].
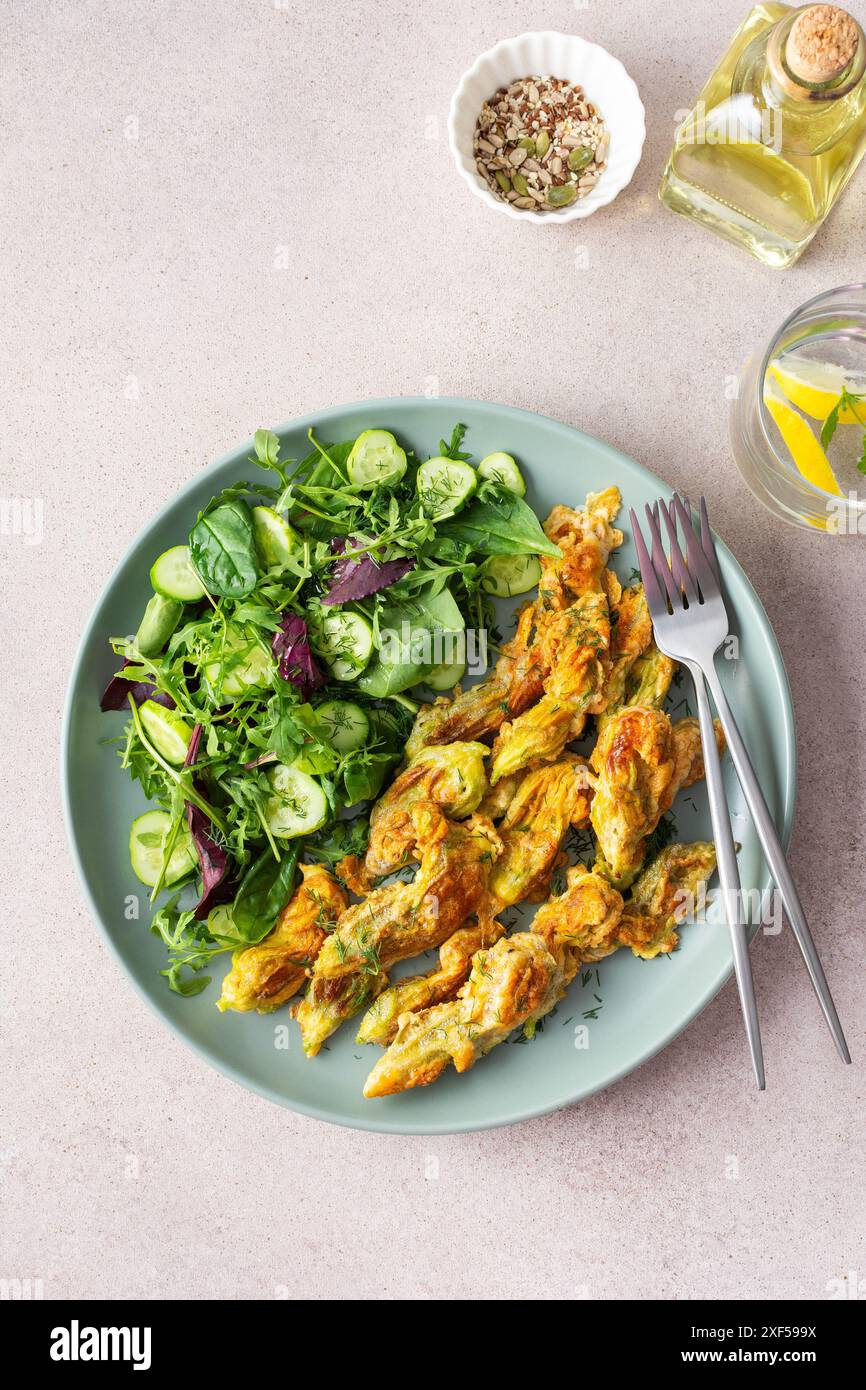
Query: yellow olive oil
[776,133]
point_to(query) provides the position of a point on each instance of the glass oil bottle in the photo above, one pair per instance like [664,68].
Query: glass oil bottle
[776,133]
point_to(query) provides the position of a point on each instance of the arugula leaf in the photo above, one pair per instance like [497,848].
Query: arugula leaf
[452,450]
[189,945]
[136,683]
[267,447]
[344,837]
[498,522]
[223,550]
[363,777]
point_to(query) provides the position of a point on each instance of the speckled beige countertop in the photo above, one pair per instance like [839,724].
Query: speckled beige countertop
[156,158]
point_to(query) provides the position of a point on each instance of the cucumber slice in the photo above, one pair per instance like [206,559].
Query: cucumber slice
[239,665]
[161,617]
[501,468]
[446,676]
[507,575]
[346,725]
[276,540]
[344,639]
[167,730]
[298,806]
[376,458]
[173,576]
[444,486]
[147,836]
[221,923]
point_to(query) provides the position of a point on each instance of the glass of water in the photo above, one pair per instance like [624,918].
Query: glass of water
[798,422]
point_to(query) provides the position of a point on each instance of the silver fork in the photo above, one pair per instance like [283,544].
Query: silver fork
[705,616]
[773,852]
[690,634]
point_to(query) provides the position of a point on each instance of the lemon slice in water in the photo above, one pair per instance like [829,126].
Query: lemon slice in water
[804,447]
[815,387]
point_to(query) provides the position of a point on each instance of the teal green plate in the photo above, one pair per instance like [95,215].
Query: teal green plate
[644,1004]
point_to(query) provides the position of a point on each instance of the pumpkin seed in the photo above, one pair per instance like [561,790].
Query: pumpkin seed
[504,181]
[520,184]
[579,158]
[542,144]
[561,196]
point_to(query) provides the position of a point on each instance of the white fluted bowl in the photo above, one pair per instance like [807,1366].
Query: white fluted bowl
[607,85]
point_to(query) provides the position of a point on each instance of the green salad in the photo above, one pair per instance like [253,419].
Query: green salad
[267,684]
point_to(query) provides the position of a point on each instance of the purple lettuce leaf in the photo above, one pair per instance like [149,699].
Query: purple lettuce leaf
[354,578]
[213,863]
[291,647]
[116,693]
[212,858]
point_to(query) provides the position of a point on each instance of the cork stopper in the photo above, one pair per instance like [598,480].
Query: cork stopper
[821,44]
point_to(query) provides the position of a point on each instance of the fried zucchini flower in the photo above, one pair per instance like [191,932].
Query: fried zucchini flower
[263,977]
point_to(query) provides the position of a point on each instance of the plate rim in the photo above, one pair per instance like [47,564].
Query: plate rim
[388,1125]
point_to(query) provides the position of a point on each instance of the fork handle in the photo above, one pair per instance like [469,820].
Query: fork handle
[775,857]
[729,875]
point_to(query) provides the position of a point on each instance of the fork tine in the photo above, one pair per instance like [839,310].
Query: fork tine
[647,573]
[678,565]
[660,560]
[701,523]
[699,565]
[709,545]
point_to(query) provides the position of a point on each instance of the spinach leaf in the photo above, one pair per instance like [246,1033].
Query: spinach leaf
[265,889]
[223,550]
[384,678]
[407,645]
[498,522]
[431,609]
[363,778]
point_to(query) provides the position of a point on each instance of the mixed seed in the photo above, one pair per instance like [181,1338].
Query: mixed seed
[540,143]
